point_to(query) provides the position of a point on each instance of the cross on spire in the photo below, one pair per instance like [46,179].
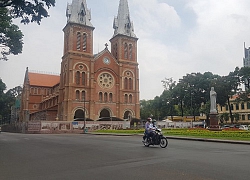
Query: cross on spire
[106,46]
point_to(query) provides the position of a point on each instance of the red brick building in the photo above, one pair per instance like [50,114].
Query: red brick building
[102,85]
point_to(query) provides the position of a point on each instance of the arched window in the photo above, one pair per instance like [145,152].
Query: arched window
[130,98]
[125,51]
[78,78]
[242,106]
[83,79]
[110,97]
[126,83]
[100,96]
[130,52]
[237,106]
[105,97]
[77,95]
[35,90]
[130,83]
[126,98]
[78,41]
[115,51]
[84,44]
[83,95]
[232,107]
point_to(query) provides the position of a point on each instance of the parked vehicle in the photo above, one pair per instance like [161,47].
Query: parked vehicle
[235,126]
[156,139]
[225,126]
[243,127]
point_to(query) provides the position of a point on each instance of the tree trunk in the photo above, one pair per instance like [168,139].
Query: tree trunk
[230,110]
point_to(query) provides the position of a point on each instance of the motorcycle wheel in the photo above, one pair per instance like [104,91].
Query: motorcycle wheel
[146,143]
[163,142]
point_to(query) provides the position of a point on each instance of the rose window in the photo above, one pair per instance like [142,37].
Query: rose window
[106,80]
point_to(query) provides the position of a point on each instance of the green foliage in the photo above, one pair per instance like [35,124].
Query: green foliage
[203,133]
[29,11]
[11,38]
[7,99]
[200,133]
[191,95]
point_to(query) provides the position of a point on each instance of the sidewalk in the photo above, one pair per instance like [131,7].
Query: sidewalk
[179,138]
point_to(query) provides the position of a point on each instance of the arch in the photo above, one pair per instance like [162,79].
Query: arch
[83,64]
[128,114]
[126,98]
[100,97]
[78,41]
[77,77]
[125,51]
[83,95]
[77,95]
[84,44]
[130,52]
[79,114]
[105,113]
[83,78]
[130,98]
[105,97]
[130,83]
[110,97]
[126,83]
[126,72]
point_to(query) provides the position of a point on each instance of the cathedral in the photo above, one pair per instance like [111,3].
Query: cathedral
[90,86]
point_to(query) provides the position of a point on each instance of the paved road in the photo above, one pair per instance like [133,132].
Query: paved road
[95,157]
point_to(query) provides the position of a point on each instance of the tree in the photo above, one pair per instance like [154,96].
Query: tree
[227,86]
[29,11]
[7,100]
[194,91]
[146,108]
[2,89]
[10,36]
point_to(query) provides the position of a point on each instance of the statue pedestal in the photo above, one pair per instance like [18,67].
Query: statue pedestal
[214,122]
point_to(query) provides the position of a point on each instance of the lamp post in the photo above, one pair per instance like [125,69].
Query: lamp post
[84,129]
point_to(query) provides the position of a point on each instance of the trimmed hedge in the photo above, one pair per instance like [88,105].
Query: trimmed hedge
[195,132]
[224,134]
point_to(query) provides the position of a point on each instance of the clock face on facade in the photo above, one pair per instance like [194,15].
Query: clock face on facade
[106,60]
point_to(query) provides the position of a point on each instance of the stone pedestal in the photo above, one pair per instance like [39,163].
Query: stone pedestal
[214,122]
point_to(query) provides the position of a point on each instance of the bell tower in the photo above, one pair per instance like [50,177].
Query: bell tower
[124,50]
[75,77]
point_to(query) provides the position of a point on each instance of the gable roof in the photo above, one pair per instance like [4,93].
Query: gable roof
[46,80]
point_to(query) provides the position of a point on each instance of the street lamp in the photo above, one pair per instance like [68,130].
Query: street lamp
[84,105]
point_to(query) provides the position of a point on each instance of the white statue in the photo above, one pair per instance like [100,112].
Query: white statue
[213,95]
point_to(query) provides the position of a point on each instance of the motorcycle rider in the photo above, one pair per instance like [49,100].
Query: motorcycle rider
[149,128]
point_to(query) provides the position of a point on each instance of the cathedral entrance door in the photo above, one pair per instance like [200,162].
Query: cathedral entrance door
[105,114]
[79,115]
[127,115]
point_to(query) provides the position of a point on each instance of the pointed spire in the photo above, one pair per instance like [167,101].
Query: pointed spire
[77,12]
[122,23]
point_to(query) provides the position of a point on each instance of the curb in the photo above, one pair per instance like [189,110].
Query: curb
[181,138]
[209,140]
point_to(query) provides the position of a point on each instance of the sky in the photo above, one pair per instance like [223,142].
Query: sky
[176,37]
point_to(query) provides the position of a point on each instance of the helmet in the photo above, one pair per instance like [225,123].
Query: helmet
[149,119]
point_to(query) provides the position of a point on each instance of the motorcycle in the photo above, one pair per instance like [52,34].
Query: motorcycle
[156,139]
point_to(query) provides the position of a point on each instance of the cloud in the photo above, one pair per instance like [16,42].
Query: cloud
[153,17]
[174,39]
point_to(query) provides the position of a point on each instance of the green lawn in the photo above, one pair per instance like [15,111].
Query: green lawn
[200,133]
